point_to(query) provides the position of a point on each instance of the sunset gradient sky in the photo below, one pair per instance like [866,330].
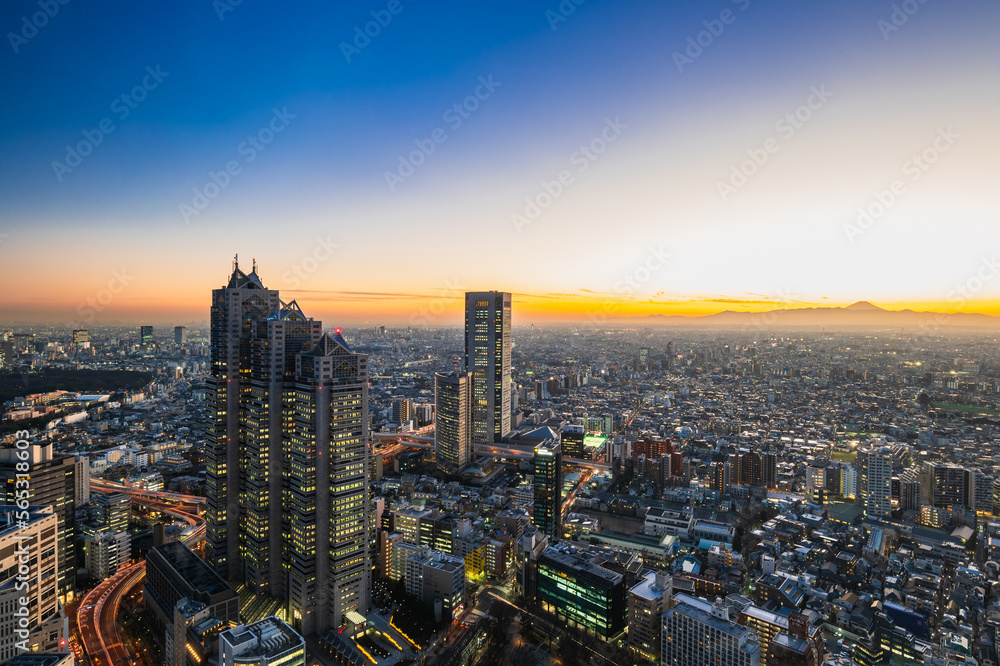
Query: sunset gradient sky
[642,225]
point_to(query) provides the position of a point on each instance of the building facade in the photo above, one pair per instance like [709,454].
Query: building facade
[453,421]
[547,482]
[695,633]
[287,456]
[488,358]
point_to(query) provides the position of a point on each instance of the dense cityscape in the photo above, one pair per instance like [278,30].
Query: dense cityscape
[270,490]
[558,333]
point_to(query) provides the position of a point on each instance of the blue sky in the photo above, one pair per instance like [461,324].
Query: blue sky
[786,231]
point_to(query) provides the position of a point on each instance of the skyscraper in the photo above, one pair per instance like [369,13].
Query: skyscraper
[236,308]
[275,342]
[326,489]
[288,506]
[145,335]
[876,470]
[547,481]
[180,335]
[453,421]
[487,357]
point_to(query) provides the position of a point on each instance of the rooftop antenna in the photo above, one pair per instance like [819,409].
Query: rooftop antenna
[254,265]
[236,262]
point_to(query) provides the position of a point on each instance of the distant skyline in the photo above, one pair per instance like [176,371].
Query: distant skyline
[592,163]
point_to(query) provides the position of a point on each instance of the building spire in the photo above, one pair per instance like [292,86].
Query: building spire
[254,265]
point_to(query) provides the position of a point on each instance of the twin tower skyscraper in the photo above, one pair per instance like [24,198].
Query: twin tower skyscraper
[287,456]
[473,404]
[287,450]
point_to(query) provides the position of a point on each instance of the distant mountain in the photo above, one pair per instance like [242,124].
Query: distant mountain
[865,305]
[861,314]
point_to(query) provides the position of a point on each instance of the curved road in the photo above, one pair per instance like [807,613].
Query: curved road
[97,616]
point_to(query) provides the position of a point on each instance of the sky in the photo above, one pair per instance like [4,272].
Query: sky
[377,159]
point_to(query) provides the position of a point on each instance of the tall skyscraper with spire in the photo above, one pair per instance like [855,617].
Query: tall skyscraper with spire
[488,358]
[287,456]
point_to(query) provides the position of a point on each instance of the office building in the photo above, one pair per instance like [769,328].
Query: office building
[176,576]
[438,580]
[81,338]
[235,310]
[488,358]
[402,411]
[29,599]
[269,642]
[287,456]
[111,511]
[530,546]
[52,483]
[547,482]
[581,592]
[696,632]
[180,335]
[264,448]
[145,335]
[193,637]
[328,485]
[453,421]
[646,602]
[106,553]
[571,439]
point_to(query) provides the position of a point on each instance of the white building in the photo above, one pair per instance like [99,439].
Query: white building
[266,643]
[696,632]
[107,553]
[28,538]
